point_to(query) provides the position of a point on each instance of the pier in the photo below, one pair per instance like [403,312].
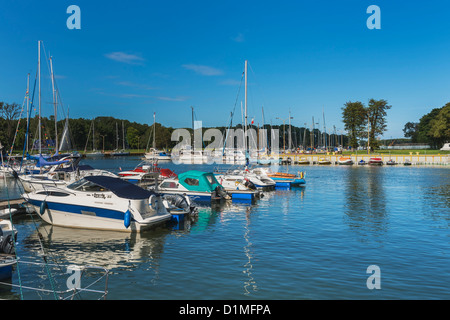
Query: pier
[413,158]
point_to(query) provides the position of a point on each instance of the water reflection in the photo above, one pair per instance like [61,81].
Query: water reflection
[109,249]
[249,285]
[365,201]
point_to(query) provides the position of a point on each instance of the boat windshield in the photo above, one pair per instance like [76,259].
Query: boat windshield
[211,179]
[85,185]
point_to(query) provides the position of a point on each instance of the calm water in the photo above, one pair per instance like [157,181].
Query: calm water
[314,242]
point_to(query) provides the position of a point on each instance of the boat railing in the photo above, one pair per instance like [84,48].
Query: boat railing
[66,282]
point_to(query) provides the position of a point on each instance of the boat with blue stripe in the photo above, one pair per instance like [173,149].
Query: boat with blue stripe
[100,202]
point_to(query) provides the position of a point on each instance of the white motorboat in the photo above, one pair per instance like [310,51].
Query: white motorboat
[100,202]
[60,177]
[6,213]
[146,172]
[258,180]
[345,161]
[239,187]
[187,155]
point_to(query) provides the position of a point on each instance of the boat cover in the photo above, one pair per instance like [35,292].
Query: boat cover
[198,181]
[120,188]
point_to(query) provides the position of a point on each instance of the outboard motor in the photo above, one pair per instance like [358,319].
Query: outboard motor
[6,243]
[181,202]
[222,193]
[249,184]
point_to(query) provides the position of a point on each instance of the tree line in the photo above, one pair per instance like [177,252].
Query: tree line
[361,123]
[110,134]
[433,128]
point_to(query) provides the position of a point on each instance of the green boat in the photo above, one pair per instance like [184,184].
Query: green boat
[198,185]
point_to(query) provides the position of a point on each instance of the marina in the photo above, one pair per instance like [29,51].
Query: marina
[310,242]
[225,157]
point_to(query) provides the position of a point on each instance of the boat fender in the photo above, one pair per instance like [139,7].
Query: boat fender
[127,219]
[152,201]
[43,207]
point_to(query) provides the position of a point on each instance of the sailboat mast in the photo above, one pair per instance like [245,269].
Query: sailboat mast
[54,105]
[39,95]
[245,108]
[154,130]
[28,105]
[123,136]
[117,137]
[290,131]
[193,133]
[93,134]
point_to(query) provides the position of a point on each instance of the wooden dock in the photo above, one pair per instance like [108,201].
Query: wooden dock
[14,203]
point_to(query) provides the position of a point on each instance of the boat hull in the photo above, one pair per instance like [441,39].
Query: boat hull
[91,217]
[375,162]
[193,196]
[6,267]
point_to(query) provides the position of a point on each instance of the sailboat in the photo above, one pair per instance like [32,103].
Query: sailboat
[153,153]
[118,152]
[94,153]
[189,154]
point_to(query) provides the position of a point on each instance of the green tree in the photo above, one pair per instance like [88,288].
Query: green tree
[376,115]
[354,116]
[411,131]
[424,128]
[440,126]
[133,137]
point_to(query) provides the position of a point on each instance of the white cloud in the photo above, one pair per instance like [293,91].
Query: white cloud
[172,99]
[239,38]
[125,57]
[203,70]
[135,85]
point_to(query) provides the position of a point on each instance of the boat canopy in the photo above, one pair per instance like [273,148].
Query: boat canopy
[119,187]
[83,167]
[198,181]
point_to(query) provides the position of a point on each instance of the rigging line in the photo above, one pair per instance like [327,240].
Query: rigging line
[234,109]
[17,129]
[29,119]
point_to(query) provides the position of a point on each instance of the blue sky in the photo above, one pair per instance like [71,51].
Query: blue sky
[133,58]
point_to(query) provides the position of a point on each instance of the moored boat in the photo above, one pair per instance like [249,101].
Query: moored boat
[391,162]
[324,161]
[100,202]
[198,185]
[375,161]
[345,161]
[303,161]
[8,237]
